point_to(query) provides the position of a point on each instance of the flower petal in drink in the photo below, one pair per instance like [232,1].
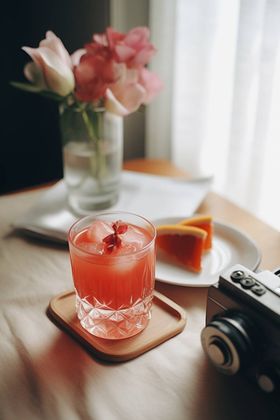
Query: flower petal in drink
[99,230]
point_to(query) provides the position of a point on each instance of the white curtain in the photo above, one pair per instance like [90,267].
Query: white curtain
[219,112]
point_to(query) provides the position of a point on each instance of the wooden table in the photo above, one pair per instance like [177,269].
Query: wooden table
[47,375]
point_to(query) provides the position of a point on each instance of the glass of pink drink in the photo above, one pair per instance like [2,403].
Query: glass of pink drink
[113,266]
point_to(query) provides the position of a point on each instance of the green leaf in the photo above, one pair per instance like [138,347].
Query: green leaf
[26,86]
[52,95]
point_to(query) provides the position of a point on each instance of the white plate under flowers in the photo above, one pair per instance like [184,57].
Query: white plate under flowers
[230,246]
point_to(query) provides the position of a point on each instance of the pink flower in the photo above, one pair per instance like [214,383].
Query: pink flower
[126,95]
[51,68]
[133,48]
[134,88]
[76,56]
[151,83]
[133,85]
[109,71]
[95,71]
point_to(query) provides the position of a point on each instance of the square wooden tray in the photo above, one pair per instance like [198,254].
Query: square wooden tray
[168,319]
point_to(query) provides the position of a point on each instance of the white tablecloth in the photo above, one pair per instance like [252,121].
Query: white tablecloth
[45,374]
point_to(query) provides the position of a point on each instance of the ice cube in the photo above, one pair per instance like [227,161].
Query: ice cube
[92,247]
[99,230]
[134,239]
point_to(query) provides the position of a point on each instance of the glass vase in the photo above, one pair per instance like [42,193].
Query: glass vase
[92,156]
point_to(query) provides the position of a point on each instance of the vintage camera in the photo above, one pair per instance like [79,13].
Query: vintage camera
[242,332]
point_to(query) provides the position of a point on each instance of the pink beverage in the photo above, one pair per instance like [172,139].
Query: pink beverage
[113,265]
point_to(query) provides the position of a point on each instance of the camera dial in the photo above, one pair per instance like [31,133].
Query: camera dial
[228,340]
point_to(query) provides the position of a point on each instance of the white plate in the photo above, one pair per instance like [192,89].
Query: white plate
[230,246]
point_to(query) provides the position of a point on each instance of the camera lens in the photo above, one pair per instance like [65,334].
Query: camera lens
[219,352]
[228,340]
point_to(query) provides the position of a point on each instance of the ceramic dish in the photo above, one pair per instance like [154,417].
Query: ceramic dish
[230,246]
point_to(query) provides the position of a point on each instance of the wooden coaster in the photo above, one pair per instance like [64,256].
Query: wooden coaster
[168,319]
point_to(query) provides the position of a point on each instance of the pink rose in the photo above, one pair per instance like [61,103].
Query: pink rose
[76,56]
[151,83]
[126,95]
[134,88]
[133,48]
[95,71]
[51,68]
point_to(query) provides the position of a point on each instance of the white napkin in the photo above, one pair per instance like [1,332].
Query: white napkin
[148,195]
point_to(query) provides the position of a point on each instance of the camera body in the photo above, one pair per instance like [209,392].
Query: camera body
[242,332]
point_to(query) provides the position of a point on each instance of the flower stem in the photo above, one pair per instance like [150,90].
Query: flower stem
[95,135]
[89,126]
